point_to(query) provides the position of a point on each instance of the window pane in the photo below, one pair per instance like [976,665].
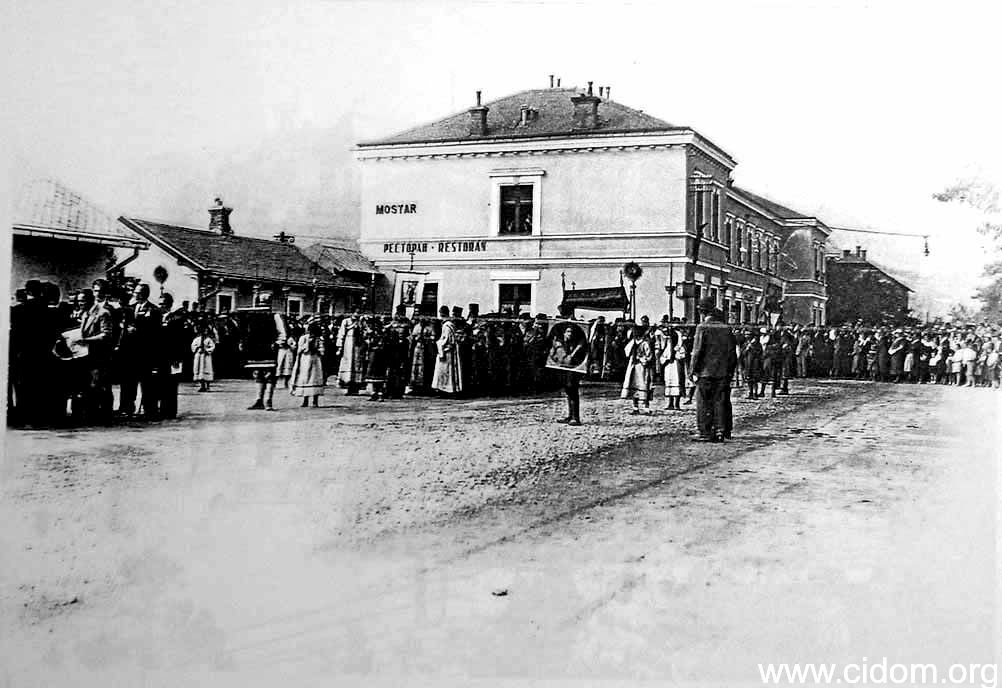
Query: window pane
[516,209]
[516,298]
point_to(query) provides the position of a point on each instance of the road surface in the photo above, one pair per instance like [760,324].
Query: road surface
[858,522]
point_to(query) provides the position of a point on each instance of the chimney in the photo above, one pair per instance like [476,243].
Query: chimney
[863,254]
[608,92]
[601,91]
[846,253]
[558,82]
[551,81]
[859,253]
[586,110]
[478,119]
[219,218]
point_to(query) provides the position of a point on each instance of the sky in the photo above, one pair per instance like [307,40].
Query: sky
[854,111]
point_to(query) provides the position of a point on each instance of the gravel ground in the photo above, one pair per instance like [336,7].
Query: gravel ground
[361,467]
[220,540]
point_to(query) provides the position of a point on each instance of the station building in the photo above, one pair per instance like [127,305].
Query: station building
[518,204]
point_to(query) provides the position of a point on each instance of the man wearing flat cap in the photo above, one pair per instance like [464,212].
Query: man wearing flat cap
[714,359]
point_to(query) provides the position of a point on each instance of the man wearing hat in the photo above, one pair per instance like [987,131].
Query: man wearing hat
[714,359]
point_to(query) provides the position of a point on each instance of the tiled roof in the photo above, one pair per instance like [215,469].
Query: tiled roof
[773,207]
[45,207]
[866,263]
[555,117]
[239,256]
[340,257]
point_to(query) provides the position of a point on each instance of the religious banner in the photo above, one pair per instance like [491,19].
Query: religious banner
[407,289]
[567,346]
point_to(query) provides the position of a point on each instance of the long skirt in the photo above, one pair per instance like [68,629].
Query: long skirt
[202,367]
[909,363]
[674,373]
[285,362]
[637,383]
[307,376]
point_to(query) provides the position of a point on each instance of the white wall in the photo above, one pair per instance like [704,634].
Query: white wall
[181,282]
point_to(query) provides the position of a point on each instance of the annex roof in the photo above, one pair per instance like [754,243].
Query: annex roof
[555,117]
[340,256]
[45,207]
[239,257]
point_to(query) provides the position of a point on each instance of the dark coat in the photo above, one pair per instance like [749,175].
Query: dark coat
[713,352]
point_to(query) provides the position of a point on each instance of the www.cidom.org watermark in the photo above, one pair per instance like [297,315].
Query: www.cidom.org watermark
[881,672]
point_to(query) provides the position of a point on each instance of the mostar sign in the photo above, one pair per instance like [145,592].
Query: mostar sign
[396,209]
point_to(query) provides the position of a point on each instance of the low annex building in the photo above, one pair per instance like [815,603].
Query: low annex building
[516,204]
[62,238]
[222,271]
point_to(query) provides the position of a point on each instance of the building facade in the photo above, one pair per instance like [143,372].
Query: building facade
[510,204]
[863,291]
[222,271]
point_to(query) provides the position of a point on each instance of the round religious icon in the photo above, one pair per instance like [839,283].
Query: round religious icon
[568,349]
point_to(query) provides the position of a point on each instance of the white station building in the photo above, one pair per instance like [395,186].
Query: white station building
[516,204]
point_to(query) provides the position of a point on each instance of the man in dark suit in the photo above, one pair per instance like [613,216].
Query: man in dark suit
[140,344]
[714,359]
[97,332]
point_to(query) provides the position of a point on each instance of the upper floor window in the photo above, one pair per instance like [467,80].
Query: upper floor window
[728,229]
[516,209]
[715,219]
[739,242]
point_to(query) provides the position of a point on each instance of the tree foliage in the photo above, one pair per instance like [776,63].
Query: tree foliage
[982,196]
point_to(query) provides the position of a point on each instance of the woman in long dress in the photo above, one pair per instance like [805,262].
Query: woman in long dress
[672,362]
[351,350]
[308,371]
[639,354]
[202,347]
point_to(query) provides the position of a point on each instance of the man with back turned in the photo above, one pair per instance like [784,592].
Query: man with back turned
[714,359]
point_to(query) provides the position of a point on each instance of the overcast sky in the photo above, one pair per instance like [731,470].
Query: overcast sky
[854,111]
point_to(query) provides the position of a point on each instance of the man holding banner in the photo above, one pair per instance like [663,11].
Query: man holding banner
[569,353]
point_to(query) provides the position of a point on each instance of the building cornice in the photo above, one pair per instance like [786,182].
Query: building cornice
[542,146]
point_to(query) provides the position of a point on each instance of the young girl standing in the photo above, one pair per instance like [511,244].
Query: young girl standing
[202,347]
[308,371]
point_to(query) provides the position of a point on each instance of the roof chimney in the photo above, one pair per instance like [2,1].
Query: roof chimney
[478,119]
[551,81]
[558,82]
[608,92]
[601,91]
[586,110]
[846,253]
[858,251]
[863,254]
[219,218]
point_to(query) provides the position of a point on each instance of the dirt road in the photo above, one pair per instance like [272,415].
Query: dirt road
[426,541]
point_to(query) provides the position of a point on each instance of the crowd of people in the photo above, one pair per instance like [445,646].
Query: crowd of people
[66,355]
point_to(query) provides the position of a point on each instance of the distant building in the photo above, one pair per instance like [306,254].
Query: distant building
[516,204]
[223,271]
[62,238]
[860,290]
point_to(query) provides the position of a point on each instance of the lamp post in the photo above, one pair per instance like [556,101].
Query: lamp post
[670,288]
